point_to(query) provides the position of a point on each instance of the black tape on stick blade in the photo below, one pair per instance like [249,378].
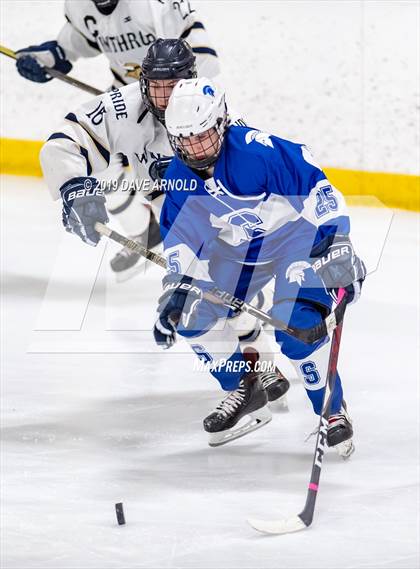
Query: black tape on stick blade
[120,513]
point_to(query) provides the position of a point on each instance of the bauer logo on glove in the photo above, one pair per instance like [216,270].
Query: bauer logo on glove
[339,252]
[83,206]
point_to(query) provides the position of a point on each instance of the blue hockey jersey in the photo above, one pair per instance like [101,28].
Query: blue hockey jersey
[267,197]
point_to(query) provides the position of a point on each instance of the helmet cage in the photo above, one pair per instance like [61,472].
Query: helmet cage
[164,94]
[179,145]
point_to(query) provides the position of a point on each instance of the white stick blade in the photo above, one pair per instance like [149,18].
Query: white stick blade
[287,525]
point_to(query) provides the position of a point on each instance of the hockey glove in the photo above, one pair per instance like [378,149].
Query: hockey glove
[31,61]
[158,167]
[177,304]
[339,267]
[83,206]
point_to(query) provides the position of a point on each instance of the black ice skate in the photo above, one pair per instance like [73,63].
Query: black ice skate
[276,387]
[340,432]
[126,263]
[248,401]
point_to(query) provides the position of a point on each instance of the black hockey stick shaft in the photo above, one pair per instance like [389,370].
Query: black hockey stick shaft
[309,336]
[66,78]
[307,513]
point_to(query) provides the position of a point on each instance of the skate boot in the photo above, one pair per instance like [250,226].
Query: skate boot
[275,385]
[340,432]
[126,263]
[249,400]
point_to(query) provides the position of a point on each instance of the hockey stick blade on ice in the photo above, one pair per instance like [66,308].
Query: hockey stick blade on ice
[217,296]
[61,76]
[304,519]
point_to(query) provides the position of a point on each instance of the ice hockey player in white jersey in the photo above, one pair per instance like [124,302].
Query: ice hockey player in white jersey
[261,208]
[130,120]
[123,31]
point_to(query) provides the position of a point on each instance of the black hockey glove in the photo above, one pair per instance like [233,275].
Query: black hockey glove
[83,206]
[338,266]
[177,303]
[31,61]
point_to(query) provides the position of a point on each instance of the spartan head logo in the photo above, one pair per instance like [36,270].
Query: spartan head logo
[295,273]
[261,137]
[207,90]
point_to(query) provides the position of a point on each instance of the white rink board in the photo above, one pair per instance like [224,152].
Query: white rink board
[339,76]
[82,431]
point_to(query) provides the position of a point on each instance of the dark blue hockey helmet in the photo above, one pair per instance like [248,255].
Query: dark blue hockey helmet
[166,62]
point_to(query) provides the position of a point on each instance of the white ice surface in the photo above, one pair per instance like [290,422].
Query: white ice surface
[82,431]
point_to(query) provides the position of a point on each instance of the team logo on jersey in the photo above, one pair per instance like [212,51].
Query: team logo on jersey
[249,221]
[261,137]
[132,70]
[207,90]
[295,273]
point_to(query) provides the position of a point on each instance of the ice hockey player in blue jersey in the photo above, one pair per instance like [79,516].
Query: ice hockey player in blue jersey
[252,207]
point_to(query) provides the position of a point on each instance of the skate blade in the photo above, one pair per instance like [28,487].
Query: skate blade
[257,419]
[279,405]
[345,449]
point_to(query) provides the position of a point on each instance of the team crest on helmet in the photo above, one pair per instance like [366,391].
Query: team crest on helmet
[208,90]
[295,273]
[261,137]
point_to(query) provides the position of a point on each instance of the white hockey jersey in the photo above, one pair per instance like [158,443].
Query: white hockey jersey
[125,35]
[115,122]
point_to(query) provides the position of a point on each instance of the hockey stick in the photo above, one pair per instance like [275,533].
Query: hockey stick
[309,335]
[57,74]
[304,519]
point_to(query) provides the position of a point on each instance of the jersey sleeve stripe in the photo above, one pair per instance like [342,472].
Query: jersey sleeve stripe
[83,150]
[203,49]
[60,135]
[195,26]
[101,149]
[85,155]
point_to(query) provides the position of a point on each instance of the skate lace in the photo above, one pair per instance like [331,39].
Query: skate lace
[268,378]
[334,418]
[232,402]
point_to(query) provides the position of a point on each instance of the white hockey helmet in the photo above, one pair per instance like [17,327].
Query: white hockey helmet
[196,120]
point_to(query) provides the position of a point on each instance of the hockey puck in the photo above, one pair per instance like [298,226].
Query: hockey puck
[119,510]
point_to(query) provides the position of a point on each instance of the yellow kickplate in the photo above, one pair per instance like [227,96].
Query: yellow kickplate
[21,157]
